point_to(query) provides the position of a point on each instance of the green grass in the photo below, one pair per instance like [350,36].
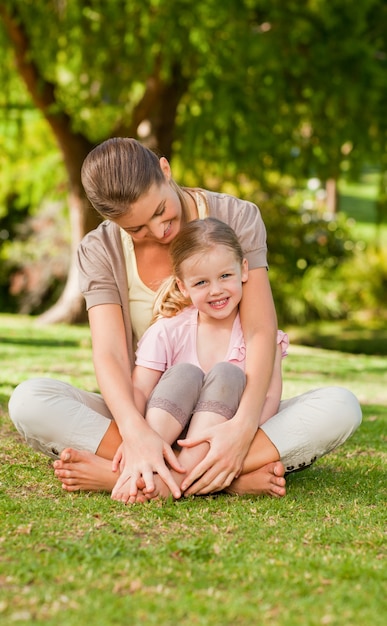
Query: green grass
[315,557]
[358,201]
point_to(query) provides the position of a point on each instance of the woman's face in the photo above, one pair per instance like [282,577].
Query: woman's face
[156,216]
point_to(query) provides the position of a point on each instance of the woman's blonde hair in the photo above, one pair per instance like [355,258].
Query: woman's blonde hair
[116,173]
[197,237]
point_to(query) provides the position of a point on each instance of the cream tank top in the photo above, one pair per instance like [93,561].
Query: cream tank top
[140,296]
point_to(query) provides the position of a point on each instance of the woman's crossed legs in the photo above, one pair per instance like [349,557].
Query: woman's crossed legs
[76,428]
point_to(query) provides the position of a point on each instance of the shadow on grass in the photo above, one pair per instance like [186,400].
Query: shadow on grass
[4,398]
[343,337]
[23,341]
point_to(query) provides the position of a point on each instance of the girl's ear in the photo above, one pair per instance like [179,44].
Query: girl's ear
[245,271]
[165,168]
[183,290]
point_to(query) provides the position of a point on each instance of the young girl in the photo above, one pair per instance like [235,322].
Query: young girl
[200,347]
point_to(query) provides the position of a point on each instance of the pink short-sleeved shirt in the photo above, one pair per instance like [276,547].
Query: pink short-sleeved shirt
[173,340]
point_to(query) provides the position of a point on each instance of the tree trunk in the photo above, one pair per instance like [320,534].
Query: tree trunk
[154,117]
[164,114]
[331,191]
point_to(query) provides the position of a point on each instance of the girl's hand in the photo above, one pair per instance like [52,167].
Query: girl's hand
[223,462]
[138,460]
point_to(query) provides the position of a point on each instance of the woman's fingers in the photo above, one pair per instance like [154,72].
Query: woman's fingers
[149,481]
[191,443]
[170,456]
[218,483]
[167,477]
[203,474]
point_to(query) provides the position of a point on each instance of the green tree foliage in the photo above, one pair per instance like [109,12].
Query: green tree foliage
[255,83]
[225,86]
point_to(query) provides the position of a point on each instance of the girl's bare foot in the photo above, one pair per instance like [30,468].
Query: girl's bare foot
[161,491]
[266,481]
[80,470]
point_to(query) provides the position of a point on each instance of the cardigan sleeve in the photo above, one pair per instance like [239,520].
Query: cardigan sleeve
[100,274]
[245,218]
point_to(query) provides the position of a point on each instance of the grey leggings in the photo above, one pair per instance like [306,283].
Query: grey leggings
[52,415]
[184,389]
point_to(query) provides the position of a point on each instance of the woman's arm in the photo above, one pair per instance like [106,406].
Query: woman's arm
[274,393]
[229,442]
[142,451]
[259,325]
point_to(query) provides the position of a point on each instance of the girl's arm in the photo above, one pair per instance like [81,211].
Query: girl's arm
[229,442]
[144,381]
[142,451]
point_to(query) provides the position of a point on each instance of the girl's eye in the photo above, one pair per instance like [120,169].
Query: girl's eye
[200,283]
[225,275]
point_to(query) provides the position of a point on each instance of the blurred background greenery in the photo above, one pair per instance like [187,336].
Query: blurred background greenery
[280,102]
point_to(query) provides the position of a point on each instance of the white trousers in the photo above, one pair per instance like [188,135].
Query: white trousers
[52,415]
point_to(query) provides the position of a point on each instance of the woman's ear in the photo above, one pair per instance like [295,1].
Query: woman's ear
[245,271]
[183,290]
[165,168]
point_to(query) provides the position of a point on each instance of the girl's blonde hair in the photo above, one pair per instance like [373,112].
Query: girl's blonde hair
[116,173]
[197,237]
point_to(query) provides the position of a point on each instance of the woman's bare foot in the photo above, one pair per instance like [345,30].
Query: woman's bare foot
[80,470]
[266,481]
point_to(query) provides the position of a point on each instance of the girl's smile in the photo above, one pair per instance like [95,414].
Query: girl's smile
[219,304]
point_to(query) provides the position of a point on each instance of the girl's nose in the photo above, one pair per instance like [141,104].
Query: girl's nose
[215,288]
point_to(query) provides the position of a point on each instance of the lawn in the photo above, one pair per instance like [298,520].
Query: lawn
[358,201]
[315,557]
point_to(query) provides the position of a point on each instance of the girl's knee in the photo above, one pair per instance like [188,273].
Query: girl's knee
[228,373]
[184,372]
[179,380]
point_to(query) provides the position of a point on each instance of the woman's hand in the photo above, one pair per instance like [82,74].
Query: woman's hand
[137,460]
[223,462]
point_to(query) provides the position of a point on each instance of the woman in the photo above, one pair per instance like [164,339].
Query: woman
[122,263]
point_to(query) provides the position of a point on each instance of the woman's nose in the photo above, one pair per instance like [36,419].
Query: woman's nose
[156,230]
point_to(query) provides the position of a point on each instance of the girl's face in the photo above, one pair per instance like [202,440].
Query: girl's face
[213,281]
